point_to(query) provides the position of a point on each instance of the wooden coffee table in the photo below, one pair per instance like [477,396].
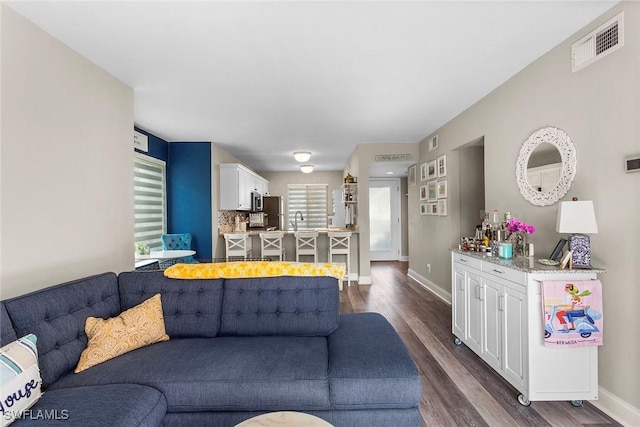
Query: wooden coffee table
[284,419]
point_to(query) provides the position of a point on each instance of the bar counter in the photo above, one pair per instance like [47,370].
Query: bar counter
[290,246]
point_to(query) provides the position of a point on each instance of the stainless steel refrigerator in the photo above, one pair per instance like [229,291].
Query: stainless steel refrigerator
[273,206]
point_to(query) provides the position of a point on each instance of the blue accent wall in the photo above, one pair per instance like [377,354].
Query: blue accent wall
[189,193]
[158,147]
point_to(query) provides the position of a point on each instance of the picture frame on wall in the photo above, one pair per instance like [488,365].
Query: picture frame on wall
[432,191]
[424,209]
[423,192]
[442,207]
[442,189]
[423,172]
[442,166]
[432,172]
[411,176]
[433,143]
[432,209]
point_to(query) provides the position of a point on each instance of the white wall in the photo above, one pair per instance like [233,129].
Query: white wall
[66,165]
[599,108]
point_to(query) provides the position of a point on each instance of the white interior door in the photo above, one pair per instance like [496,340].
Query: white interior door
[384,219]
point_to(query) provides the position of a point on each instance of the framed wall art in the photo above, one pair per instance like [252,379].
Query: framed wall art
[433,143]
[442,189]
[432,172]
[442,166]
[423,209]
[432,191]
[423,192]
[442,207]
[423,172]
[411,176]
[432,209]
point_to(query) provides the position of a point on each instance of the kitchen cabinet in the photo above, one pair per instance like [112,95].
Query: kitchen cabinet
[544,178]
[497,313]
[236,185]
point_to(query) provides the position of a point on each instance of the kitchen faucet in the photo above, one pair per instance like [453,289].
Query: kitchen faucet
[295,218]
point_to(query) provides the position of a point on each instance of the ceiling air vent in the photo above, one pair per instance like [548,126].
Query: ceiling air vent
[605,39]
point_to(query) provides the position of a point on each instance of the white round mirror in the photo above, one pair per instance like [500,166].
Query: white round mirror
[546,166]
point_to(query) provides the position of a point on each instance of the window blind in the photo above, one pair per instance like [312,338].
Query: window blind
[149,194]
[311,200]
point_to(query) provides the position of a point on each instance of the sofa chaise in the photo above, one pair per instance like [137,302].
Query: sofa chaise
[238,348]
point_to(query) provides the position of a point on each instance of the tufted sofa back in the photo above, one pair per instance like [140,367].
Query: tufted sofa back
[57,315]
[191,307]
[301,306]
[7,333]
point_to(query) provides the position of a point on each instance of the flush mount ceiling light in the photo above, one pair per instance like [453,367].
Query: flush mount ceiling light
[302,156]
[306,168]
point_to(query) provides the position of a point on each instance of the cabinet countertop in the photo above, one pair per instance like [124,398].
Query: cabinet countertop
[527,264]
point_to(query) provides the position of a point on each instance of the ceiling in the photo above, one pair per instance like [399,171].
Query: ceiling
[264,79]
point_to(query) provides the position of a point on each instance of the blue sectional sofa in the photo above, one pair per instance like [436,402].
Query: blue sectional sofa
[237,348]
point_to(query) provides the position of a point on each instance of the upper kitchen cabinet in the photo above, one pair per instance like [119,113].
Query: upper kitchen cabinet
[236,185]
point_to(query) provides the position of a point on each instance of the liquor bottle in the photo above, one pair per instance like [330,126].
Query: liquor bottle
[488,238]
[505,223]
[485,222]
[495,224]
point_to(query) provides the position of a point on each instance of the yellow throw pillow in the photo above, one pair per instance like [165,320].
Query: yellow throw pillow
[137,327]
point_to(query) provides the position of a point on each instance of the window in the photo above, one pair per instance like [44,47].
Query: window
[311,200]
[149,195]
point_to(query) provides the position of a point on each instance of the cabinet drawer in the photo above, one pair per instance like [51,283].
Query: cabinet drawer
[467,261]
[504,272]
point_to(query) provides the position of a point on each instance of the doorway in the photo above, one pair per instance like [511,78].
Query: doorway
[472,196]
[384,219]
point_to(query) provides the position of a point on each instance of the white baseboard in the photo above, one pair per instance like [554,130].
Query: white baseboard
[364,280]
[616,408]
[430,286]
[404,258]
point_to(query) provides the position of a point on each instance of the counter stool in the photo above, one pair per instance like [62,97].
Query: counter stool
[238,245]
[272,244]
[306,244]
[339,244]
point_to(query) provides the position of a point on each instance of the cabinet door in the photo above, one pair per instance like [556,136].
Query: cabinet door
[549,178]
[474,316]
[245,187]
[458,316]
[515,328]
[228,187]
[492,323]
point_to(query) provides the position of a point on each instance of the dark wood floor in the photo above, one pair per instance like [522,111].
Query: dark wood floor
[459,389]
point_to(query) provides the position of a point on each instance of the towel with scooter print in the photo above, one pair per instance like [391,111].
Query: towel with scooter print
[572,313]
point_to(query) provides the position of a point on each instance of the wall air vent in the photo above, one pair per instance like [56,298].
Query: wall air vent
[604,40]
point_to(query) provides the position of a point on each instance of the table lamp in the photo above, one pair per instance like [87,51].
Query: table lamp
[578,218]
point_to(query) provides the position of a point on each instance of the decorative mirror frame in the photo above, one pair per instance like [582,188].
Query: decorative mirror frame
[562,142]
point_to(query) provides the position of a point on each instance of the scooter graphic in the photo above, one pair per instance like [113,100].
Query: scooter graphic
[583,320]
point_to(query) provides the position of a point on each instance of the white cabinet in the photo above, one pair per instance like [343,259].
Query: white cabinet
[236,185]
[504,324]
[487,312]
[544,178]
[497,313]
